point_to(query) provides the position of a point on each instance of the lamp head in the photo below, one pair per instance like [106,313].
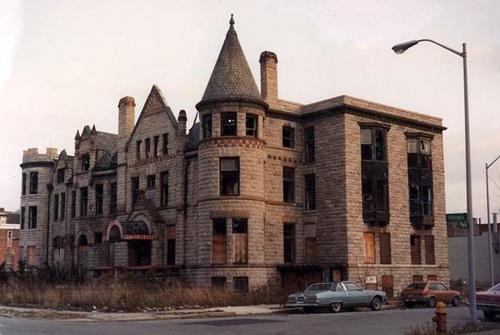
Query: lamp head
[402,47]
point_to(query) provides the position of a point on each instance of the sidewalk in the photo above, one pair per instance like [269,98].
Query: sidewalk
[40,313]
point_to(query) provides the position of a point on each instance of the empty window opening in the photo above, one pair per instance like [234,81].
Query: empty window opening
[228,124]
[251,125]
[288,137]
[230,176]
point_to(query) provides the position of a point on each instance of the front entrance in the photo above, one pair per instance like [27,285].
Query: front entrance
[139,252]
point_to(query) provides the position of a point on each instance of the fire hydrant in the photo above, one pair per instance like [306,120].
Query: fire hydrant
[440,318]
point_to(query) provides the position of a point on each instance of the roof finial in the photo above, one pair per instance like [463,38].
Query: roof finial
[231,22]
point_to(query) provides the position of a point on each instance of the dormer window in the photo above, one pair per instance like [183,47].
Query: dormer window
[228,124]
[60,176]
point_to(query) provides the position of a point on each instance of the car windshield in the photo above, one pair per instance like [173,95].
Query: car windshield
[416,286]
[322,287]
[495,288]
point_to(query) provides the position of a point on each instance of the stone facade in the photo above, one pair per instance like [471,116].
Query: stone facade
[260,190]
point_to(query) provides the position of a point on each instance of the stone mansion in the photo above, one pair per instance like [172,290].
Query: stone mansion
[259,190]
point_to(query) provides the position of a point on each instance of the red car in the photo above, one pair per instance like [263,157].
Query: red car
[429,292]
[489,302]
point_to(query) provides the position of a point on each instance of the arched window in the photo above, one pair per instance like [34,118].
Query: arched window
[114,234]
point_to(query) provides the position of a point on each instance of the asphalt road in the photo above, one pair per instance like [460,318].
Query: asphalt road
[357,322]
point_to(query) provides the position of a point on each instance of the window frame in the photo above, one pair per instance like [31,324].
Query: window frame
[310,192]
[288,141]
[225,174]
[33,189]
[251,131]
[289,242]
[99,199]
[164,178]
[309,144]
[206,125]
[288,175]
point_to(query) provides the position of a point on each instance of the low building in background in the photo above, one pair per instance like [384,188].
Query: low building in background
[9,239]
[458,250]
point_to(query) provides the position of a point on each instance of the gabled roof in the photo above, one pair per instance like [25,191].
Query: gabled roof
[107,162]
[231,77]
[155,93]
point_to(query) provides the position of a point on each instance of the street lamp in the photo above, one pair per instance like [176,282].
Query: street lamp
[399,49]
[490,241]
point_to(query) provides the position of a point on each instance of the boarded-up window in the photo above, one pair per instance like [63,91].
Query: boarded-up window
[219,241]
[416,278]
[240,241]
[416,256]
[240,284]
[171,245]
[31,255]
[311,250]
[430,257]
[388,286]
[369,239]
[432,277]
[385,248]
[219,282]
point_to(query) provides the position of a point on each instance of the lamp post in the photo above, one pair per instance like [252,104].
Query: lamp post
[490,240]
[399,49]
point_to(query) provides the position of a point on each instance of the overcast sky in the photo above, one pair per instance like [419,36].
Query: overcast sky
[66,63]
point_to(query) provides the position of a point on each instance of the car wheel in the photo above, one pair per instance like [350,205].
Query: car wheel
[376,304]
[431,302]
[308,309]
[489,315]
[409,304]
[336,307]
[456,301]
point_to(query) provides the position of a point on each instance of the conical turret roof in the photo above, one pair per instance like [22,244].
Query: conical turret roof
[231,77]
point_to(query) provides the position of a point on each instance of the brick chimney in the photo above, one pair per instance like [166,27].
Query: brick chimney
[182,119]
[268,76]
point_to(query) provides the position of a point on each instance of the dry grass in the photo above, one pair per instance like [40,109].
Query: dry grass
[456,330]
[125,294]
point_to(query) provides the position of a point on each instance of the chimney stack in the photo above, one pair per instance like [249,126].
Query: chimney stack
[126,118]
[182,119]
[268,76]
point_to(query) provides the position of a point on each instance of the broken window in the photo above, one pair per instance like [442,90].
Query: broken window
[112,198]
[171,245]
[288,184]
[416,256]
[156,141]
[311,250]
[99,198]
[289,242]
[374,168]
[138,150]
[165,144]
[219,241]
[369,242]
[32,217]
[164,189]
[309,145]
[147,145]
[24,184]
[83,201]
[240,241]
[228,124]
[430,256]
[60,175]
[420,181]
[251,125]
[310,192]
[73,204]
[206,124]
[85,162]
[151,181]
[288,136]
[56,207]
[63,206]
[240,284]
[219,282]
[134,189]
[230,176]
[33,182]
[385,248]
